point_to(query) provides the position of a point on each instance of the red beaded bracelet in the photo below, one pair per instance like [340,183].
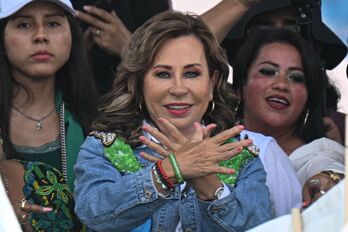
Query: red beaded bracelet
[164,175]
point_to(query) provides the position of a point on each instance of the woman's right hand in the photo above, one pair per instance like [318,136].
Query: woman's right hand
[199,156]
[12,173]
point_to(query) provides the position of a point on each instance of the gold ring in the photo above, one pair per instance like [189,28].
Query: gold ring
[23,219]
[98,32]
[22,203]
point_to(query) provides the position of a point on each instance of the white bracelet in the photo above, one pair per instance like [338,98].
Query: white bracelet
[218,192]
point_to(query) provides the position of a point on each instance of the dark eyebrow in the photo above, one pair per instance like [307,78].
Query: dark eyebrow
[269,62]
[162,66]
[30,16]
[169,67]
[192,65]
[276,65]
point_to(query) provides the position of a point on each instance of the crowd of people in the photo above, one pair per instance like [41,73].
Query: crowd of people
[119,116]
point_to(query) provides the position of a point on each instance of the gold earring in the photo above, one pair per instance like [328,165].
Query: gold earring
[212,107]
[306,117]
[237,106]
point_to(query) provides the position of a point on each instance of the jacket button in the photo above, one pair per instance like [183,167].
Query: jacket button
[215,210]
[148,194]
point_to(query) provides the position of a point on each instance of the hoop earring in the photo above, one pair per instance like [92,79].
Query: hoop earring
[237,106]
[212,107]
[306,117]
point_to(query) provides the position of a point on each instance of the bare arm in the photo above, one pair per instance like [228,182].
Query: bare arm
[222,17]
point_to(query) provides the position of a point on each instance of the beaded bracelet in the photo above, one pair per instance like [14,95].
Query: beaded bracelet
[163,174]
[176,168]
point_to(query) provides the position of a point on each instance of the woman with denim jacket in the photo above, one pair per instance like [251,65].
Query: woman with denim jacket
[164,155]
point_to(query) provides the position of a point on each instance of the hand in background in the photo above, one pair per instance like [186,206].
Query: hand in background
[315,187]
[105,29]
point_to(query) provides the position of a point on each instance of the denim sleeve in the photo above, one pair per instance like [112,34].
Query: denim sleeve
[107,201]
[247,206]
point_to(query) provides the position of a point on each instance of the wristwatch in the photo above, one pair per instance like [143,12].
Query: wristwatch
[218,192]
[335,177]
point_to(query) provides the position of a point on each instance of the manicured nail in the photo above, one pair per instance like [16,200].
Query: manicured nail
[231,171]
[305,204]
[86,8]
[47,209]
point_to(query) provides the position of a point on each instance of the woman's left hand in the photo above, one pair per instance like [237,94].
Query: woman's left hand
[315,187]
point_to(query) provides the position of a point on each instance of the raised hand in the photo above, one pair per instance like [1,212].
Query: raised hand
[106,29]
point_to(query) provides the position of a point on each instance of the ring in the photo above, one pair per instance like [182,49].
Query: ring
[315,182]
[322,192]
[22,204]
[98,32]
[23,219]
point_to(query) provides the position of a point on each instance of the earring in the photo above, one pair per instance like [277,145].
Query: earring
[306,117]
[140,108]
[212,107]
[237,106]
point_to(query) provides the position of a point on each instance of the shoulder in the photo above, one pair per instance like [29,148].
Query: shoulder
[320,145]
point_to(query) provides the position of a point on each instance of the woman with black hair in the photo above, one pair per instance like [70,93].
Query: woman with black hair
[47,101]
[279,79]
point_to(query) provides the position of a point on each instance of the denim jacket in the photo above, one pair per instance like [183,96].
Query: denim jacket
[107,200]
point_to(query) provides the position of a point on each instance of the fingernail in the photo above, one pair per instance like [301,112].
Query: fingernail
[142,138]
[47,209]
[86,8]
[305,204]
[231,171]
[241,127]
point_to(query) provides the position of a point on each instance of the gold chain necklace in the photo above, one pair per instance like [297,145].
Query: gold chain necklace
[38,121]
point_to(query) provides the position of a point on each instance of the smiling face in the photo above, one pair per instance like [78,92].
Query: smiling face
[37,41]
[275,93]
[178,86]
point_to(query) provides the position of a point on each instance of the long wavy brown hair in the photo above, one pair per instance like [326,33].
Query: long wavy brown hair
[122,110]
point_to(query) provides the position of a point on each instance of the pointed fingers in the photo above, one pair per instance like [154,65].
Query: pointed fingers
[154,146]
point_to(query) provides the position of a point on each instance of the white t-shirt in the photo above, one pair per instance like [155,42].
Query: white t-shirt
[281,180]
